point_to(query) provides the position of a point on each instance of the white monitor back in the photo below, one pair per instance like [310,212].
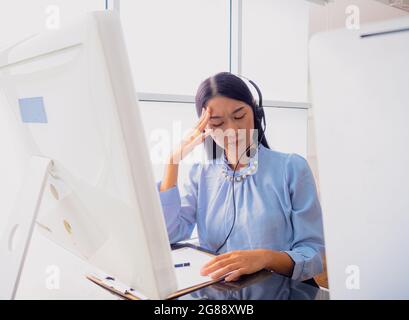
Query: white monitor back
[360,96]
[69,96]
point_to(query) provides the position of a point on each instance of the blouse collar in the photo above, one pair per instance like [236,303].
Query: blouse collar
[249,169]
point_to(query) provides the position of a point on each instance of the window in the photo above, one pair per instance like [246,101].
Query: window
[174,45]
[275,47]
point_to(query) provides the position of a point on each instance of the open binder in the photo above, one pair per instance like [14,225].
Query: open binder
[125,292]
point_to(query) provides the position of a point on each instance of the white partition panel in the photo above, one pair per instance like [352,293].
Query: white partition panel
[360,81]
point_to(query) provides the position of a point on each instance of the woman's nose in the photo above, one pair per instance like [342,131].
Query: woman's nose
[232,125]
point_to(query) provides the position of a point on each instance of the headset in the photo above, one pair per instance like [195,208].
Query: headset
[259,114]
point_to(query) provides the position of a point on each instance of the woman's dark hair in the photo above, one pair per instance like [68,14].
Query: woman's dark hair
[227,85]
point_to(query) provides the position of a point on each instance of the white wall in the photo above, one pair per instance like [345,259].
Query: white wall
[333,16]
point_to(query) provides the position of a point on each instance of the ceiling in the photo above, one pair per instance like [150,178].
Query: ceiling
[399,4]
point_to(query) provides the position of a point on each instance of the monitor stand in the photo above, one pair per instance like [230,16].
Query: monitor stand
[15,240]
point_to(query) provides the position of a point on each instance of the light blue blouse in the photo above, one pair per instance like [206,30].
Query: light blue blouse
[277,208]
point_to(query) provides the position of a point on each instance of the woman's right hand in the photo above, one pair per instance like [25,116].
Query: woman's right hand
[193,138]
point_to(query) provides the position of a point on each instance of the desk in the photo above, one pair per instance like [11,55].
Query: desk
[45,257]
[263,285]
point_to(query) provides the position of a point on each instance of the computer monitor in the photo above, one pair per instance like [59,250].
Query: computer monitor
[72,100]
[360,99]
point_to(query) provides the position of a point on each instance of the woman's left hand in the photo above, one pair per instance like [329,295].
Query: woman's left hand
[237,263]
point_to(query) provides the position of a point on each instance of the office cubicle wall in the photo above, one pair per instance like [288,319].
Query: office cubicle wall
[360,80]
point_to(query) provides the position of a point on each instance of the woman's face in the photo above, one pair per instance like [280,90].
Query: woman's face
[232,122]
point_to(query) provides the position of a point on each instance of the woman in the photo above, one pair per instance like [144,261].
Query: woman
[261,212]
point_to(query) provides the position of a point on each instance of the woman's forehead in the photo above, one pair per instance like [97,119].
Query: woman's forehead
[224,104]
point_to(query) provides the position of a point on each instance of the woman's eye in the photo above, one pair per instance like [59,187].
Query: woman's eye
[241,117]
[217,125]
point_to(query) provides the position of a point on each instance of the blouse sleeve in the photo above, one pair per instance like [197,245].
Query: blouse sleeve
[306,217]
[180,211]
